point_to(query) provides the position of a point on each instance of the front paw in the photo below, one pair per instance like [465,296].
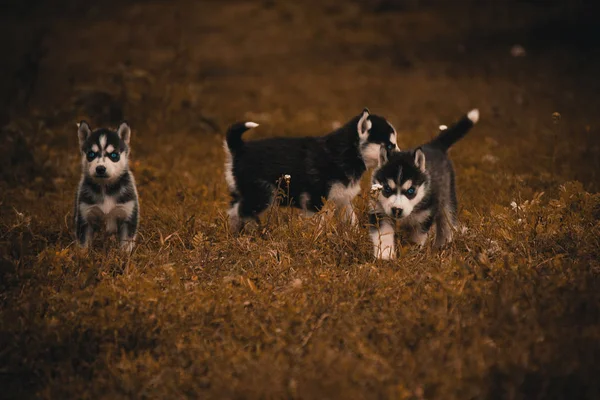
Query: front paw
[385,254]
[127,245]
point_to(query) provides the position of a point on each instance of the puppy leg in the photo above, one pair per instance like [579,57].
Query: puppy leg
[420,231]
[127,234]
[382,236]
[250,207]
[418,236]
[443,231]
[349,215]
[345,212]
[84,232]
[235,221]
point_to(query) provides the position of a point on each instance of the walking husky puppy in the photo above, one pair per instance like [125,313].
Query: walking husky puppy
[327,167]
[417,189]
[106,197]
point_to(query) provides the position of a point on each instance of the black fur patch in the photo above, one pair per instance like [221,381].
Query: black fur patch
[314,164]
[112,138]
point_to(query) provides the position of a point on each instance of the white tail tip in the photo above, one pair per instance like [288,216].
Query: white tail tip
[251,125]
[473,115]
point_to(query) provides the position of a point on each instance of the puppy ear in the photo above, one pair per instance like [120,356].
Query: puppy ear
[383,155]
[420,159]
[364,124]
[83,132]
[124,132]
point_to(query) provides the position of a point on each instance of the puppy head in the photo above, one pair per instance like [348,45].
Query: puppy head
[104,153]
[375,132]
[404,181]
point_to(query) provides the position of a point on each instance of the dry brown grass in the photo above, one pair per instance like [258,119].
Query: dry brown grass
[291,309]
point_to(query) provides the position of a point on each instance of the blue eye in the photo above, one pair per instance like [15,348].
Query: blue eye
[387,190]
[114,156]
[91,154]
[410,191]
[389,146]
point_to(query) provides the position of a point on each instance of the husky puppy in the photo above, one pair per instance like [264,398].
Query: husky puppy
[417,189]
[106,197]
[315,168]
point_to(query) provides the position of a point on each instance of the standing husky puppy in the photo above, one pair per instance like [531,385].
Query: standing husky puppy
[318,167]
[417,188]
[107,194]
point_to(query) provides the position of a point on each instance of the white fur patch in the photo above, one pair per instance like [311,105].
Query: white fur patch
[370,154]
[110,149]
[229,169]
[250,124]
[235,222]
[95,148]
[473,115]
[383,241]
[342,194]
[406,185]
[391,184]
[102,141]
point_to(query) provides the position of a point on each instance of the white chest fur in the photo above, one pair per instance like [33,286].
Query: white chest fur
[108,212]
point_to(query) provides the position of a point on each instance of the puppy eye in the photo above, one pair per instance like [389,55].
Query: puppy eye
[91,154]
[389,146]
[387,190]
[114,156]
[410,192]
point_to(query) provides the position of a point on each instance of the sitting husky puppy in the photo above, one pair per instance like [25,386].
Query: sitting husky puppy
[417,188]
[315,167]
[107,194]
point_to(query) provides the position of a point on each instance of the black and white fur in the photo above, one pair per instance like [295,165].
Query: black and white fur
[327,167]
[417,189]
[106,197]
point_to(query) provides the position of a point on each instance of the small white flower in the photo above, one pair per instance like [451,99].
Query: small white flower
[513,204]
[375,189]
[287,177]
[443,127]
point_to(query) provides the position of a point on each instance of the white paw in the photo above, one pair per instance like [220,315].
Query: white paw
[385,254]
[127,245]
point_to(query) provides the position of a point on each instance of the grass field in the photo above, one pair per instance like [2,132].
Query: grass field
[292,309]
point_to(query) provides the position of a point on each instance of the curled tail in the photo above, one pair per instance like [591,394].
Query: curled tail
[235,132]
[454,133]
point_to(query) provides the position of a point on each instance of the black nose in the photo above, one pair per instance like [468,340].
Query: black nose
[397,212]
[100,169]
